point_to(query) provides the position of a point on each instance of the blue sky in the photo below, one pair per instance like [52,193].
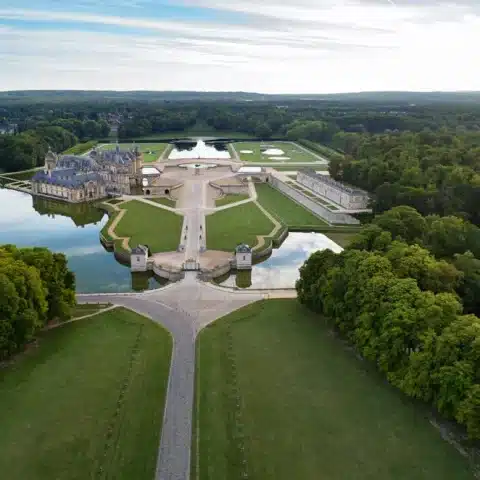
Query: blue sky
[271,46]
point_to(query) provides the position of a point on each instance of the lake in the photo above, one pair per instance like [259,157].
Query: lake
[28,221]
[280,270]
[199,150]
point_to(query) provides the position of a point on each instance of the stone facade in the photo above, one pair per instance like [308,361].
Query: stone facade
[90,177]
[139,259]
[243,257]
[347,197]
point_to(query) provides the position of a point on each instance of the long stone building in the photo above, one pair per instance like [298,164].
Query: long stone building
[74,178]
[347,197]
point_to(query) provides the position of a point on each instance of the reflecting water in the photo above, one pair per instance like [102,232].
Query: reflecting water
[281,269]
[199,150]
[73,230]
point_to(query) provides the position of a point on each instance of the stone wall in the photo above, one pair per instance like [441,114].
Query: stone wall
[234,188]
[169,274]
[315,208]
[207,275]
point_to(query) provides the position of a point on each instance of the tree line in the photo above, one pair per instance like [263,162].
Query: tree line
[35,287]
[27,150]
[434,172]
[406,294]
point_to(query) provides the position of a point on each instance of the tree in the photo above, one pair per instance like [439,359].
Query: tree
[404,222]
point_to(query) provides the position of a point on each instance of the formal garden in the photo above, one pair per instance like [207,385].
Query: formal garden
[86,401]
[276,152]
[243,223]
[278,396]
[145,224]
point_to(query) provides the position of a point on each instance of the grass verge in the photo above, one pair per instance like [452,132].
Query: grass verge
[164,201]
[227,199]
[278,396]
[87,402]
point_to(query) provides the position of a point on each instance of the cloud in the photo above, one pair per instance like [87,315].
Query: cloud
[302,46]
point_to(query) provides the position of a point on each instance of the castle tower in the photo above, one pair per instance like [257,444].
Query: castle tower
[50,161]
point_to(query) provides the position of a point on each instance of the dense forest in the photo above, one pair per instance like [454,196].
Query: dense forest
[35,287]
[434,172]
[60,119]
[405,294]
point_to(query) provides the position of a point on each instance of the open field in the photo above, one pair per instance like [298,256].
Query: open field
[286,210]
[227,228]
[164,201]
[149,225]
[309,408]
[294,152]
[87,402]
[151,151]
[227,199]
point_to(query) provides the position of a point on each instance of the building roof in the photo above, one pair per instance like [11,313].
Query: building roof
[330,181]
[243,248]
[77,162]
[67,177]
[140,250]
[250,170]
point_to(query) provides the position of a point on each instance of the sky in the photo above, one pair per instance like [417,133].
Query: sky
[266,46]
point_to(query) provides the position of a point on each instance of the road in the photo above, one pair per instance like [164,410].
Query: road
[183,308]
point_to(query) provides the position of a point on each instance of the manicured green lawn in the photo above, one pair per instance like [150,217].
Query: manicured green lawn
[151,151]
[227,228]
[309,409]
[87,402]
[164,201]
[279,205]
[294,168]
[294,152]
[227,199]
[340,238]
[81,310]
[148,225]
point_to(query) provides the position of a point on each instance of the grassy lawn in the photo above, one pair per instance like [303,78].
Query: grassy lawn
[149,225]
[340,238]
[227,199]
[309,409]
[227,228]
[81,310]
[279,205]
[294,152]
[87,402]
[164,201]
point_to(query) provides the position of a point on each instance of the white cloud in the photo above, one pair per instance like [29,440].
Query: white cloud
[309,46]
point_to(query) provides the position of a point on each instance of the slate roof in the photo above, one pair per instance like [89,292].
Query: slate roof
[77,162]
[140,250]
[67,177]
[243,248]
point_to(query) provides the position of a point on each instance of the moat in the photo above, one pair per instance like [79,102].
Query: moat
[74,230]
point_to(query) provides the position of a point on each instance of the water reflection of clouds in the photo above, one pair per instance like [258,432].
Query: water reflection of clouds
[281,269]
[201,150]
